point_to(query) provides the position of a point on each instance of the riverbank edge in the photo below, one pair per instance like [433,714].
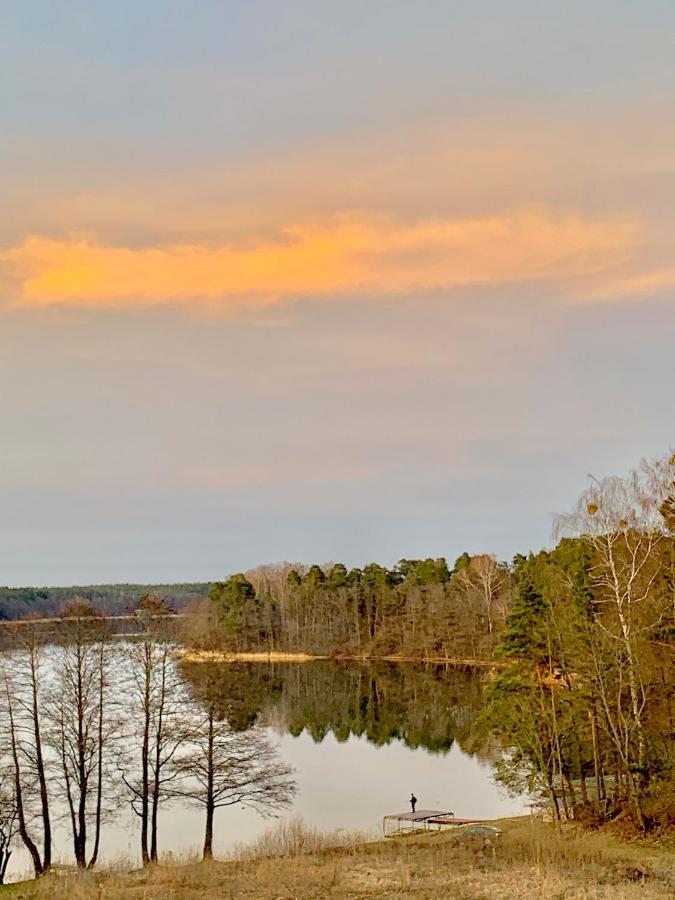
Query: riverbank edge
[193,655]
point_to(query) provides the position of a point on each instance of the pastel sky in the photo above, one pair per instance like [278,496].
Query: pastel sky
[325,280]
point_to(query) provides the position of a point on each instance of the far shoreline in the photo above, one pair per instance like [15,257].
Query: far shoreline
[193,655]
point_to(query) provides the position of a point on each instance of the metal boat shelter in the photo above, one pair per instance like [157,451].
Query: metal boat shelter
[423,820]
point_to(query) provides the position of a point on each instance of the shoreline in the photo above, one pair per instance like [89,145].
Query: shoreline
[191,655]
[246,656]
[529,859]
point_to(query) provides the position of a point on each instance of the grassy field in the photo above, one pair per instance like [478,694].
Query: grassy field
[528,860]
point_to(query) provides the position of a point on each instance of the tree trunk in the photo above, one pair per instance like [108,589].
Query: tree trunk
[99,783]
[159,739]
[145,752]
[42,779]
[210,805]
[208,835]
[30,845]
[81,837]
[5,855]
[597,770]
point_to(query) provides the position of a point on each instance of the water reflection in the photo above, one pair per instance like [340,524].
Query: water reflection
[428,707]
[359,735]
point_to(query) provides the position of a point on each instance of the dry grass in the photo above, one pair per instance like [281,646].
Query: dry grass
[529,860]
[295,838]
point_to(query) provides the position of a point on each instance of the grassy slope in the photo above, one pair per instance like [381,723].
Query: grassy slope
[527,861]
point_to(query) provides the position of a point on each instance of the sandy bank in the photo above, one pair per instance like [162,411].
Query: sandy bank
[223,656]
[281,656]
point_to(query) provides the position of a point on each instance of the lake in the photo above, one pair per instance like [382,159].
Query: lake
[361,737]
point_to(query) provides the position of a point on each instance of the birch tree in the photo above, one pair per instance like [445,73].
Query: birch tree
[622,521]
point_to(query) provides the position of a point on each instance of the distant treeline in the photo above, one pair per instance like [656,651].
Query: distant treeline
[111,599]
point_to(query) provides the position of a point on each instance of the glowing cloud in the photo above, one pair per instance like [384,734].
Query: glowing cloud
[350,257]
[651,281]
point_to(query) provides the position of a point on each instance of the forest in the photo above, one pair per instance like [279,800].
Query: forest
[580,638]
[419,608]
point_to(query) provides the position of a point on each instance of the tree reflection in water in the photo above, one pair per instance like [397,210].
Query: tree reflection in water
[423,705]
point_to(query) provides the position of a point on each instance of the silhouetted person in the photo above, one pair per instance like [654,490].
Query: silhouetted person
[413,801]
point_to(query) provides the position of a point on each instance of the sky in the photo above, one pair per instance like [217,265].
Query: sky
[319,281]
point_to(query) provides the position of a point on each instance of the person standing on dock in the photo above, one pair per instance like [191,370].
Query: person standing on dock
[413,801]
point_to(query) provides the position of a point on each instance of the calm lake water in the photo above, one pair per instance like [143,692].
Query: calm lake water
[361,738]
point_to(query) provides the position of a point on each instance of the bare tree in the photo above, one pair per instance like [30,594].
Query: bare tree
[22,676]
[200,629]
[155,715]
[485,578]
[217,767]
[79,722]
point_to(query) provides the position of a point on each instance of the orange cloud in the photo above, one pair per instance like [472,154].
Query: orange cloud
[651,281]
[351,256]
